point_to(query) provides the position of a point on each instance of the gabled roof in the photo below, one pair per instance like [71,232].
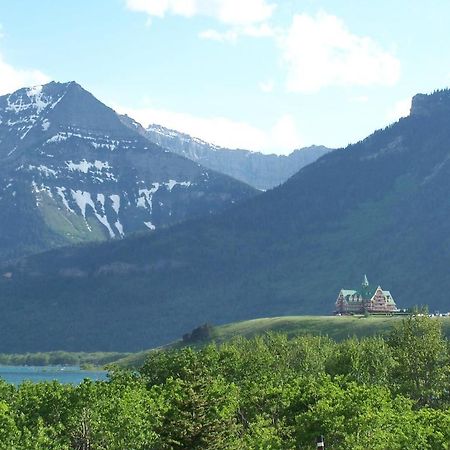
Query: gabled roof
[346,292]
[366,292]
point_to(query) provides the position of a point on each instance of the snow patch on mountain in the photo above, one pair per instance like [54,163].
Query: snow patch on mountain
[38,190]
[102,169]
[43,170]
[172,183]
[150,226]
[61,191]
[45,125]
[115,199]
[83,200]
[146,196]
[57,138]
[27,107]
[98,142]
[112,146]
[38,100]
[84,166]
[119,228]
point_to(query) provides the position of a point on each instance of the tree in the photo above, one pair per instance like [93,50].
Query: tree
[369,361]
[201,414]
[8,430]
[422,363]
[359,417]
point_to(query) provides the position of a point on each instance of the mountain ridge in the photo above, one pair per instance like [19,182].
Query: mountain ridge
[262,171]
[73,172]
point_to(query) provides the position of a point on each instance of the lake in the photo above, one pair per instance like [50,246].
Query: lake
[63,374]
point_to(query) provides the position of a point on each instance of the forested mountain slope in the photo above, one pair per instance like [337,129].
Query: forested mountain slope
[379,207]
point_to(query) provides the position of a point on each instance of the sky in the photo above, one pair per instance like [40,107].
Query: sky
[264,75]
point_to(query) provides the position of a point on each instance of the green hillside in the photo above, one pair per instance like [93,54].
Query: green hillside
[335,327]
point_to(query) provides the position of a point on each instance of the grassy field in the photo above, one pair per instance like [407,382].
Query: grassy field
[335,327]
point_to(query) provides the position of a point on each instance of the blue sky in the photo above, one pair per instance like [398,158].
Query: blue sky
[268,75]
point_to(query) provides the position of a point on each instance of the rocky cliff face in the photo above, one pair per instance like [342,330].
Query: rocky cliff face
[72,172]
[429,104]
[256,169]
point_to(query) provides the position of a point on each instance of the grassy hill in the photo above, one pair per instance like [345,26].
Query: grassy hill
[335,327]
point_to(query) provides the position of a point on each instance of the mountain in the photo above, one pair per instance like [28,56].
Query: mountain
[71,171]
[380,206]
[256,169]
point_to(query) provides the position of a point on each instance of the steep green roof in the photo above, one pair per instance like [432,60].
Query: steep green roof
[346,292]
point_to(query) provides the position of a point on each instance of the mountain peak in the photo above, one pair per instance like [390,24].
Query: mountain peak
[32,101]
[429,104]
[56,107]
[34,98]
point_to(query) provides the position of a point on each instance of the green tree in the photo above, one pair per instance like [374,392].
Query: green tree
[119,414]
[367,360]
[8,430]
[421,356]
[359,417]
[201,415]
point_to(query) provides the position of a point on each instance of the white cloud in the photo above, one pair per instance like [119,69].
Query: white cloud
[12,78]
[399,109]
[283,137]
[319,51]
[260,30]
[220,36]
[266,86]
[232,34]
[284,133]
[230,12]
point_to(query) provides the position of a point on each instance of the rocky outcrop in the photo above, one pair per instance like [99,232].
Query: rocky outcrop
[430,104]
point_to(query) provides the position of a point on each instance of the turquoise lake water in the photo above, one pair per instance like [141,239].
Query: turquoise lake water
[63,374]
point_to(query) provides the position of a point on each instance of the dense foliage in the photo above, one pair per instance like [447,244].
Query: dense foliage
[264,393]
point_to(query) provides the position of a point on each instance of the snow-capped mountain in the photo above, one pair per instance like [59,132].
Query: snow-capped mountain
[71,171]
[256,169]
